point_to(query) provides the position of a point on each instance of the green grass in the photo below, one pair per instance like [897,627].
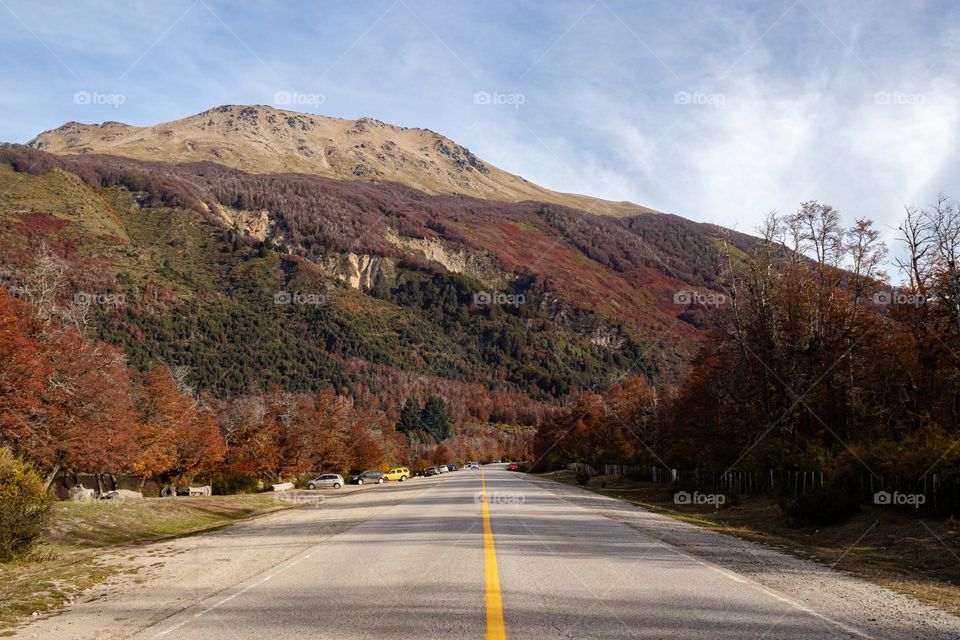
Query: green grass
[68,561]
[62,195]
[527,227]
[738,257]
[920,558]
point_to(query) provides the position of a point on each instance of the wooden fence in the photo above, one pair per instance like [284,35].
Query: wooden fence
[940,492]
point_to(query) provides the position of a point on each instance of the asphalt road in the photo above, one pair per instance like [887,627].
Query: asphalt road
[420,568]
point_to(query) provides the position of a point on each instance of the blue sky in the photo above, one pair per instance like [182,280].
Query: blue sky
[717,111]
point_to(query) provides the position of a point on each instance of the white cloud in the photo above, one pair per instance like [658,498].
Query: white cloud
[906,144]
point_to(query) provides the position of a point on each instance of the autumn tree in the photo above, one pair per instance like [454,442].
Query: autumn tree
[23,371]
[177,437]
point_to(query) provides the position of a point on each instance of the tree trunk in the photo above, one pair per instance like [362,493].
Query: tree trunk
[52,475]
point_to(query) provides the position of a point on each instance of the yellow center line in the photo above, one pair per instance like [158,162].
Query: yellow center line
[495,627]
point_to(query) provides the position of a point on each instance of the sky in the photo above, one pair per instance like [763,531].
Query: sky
[716,111]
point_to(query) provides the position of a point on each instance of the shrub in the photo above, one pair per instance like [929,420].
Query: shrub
[236,483]
[823,506]
[583,478]
[24,506]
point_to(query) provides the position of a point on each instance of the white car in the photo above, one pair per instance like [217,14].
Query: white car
[326,480]
[473,465]
[443,468]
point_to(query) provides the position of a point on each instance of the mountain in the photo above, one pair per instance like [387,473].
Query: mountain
[262,139]
[303,281]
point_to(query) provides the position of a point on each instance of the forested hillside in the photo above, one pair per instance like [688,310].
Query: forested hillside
[594,290]
[291,317]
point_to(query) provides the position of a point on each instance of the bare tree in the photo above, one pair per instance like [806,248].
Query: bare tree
[43,283]
[944,224]
[917,238]
[865,254]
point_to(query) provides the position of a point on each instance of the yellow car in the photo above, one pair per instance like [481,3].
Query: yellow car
[400,473]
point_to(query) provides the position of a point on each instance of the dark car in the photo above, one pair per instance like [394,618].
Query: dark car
[513,466]
[369,477]
[432,471]
[452,467]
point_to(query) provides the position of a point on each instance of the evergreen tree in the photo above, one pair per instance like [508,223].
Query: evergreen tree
[409,416]
[435,418]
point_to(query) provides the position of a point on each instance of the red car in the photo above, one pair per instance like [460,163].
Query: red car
[513,466]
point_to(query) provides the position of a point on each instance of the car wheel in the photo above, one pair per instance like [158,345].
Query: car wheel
[380,481]
[402,478]
[336,485]
[359,481]
[311,486]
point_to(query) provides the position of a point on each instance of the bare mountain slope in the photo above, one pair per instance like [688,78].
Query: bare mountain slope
[261,139]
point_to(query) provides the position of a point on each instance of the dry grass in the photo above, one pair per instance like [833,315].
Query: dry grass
[69,559]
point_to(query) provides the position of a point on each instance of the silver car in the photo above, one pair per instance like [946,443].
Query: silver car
[326,480]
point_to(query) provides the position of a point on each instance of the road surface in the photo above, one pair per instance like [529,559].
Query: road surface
[481,555]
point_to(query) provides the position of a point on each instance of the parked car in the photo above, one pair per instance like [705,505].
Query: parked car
[443,468]
[452,467]
[431,471]
[334,480]
[399,474]
[513,466]
[473,465]
[369,477]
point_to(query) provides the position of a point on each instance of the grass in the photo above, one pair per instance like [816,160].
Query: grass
[62,195]
[916,557]
[69,560]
